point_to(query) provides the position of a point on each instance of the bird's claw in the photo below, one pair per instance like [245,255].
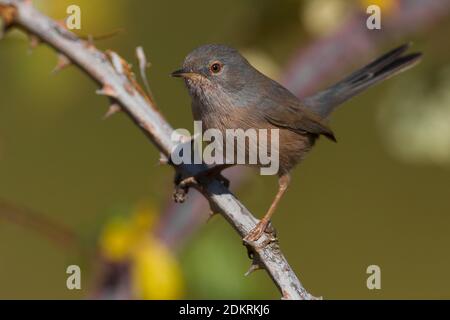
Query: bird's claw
[179,195]
[182,185]
[262,227]
[182,188]
[188,182]
[256,232]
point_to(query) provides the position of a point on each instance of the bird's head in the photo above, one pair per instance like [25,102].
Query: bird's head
[215,70]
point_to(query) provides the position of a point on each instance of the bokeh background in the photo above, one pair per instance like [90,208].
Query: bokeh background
[75,189]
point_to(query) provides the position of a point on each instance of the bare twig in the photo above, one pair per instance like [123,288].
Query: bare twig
[114,76]
[52,230]
[143,65]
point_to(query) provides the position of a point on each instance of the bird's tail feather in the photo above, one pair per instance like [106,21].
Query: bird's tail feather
[386,66]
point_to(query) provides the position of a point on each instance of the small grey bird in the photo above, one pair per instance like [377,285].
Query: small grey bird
[229,93]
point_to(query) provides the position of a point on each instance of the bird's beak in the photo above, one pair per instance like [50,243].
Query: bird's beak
[182,73]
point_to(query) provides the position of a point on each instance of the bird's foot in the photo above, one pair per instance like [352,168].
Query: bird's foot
[262,227]
[182,188]
[182,185]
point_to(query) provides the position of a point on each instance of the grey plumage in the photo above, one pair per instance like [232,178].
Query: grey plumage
[386,66]
[229,93]
[239,96]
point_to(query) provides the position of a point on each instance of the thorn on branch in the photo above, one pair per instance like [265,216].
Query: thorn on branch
[122,67]
[108,91]
[214,209]
[63,62]
[163,160]
[112,110]
[89,44]
[117,61]
[143,66]
[256,265]
[256,261]
[34,42]
[211,214]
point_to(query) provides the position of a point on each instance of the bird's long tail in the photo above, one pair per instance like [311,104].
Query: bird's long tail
[386,66]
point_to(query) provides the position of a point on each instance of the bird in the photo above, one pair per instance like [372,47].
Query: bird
[227,92]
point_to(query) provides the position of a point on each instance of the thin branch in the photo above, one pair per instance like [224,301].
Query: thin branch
[143,66]
[113,74]
[57,233]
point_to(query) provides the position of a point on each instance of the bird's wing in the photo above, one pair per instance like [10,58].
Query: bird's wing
[282,109]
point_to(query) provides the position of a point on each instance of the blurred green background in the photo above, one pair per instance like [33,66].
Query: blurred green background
[380,196]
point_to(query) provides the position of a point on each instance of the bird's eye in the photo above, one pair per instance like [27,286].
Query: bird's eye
[216,67]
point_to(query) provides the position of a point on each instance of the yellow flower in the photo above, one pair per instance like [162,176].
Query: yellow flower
[116,240]
[155,272]
[121,234]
